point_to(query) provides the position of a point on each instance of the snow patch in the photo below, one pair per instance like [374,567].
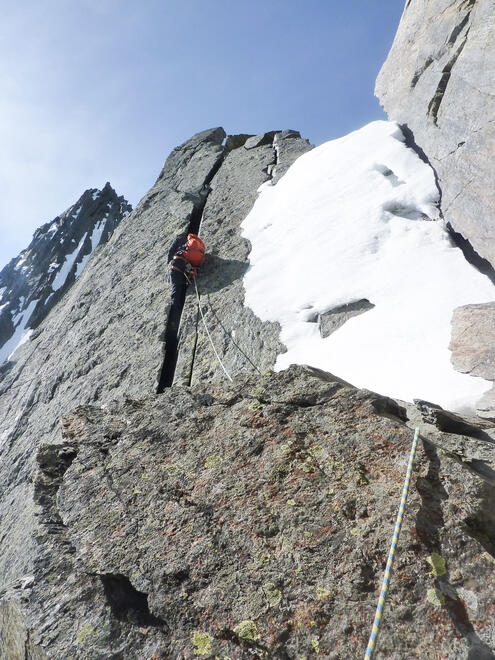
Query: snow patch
[21,334]
[75,213]
[352,220]
[22,260]
[95,241]
[64,271]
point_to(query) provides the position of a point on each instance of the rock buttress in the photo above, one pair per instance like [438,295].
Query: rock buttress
[438,79]
[103,340]
[242,341]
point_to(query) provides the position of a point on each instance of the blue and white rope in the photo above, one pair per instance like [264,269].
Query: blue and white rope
[391,555]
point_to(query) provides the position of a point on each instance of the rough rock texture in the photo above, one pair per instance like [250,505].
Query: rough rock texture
[259,528]
[243,343]
[48,267]
[106,339]
[439,79]
[229,521]
[473,347]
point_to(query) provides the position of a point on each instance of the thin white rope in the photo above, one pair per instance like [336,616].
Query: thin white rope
[208,333]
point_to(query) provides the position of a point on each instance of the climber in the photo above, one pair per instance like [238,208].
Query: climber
[185,256]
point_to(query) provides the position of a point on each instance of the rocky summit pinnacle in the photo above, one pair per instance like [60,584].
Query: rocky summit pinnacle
[32,283]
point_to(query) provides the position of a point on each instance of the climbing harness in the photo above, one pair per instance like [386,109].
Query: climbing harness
[391,555]
[208,333]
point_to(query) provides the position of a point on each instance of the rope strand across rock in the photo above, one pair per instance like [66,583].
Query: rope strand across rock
[391,555]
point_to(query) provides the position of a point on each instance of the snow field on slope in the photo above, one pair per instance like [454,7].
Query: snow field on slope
[21,333]
[357,218]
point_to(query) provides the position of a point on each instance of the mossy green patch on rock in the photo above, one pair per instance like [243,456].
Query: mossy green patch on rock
[272,594]
[435,597]
[202,643]
[437,562]
[85,632]
[247,630]
[213,461]
[322,594]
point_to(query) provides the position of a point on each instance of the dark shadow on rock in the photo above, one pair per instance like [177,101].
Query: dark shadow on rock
[478,649]
[449,422]
[481,524]
[430,515]
[429,520]
[217,273]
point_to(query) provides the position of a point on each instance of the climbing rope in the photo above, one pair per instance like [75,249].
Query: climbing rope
[391,555]
[208,333]
[230,338]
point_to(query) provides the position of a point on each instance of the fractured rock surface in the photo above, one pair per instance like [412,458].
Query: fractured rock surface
[243,343]
[439,80]
[106,339]
[102,342]
[255,520]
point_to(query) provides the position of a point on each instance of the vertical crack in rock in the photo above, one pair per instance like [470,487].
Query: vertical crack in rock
[458,29]
[127,603]
[437,99]
[172,329]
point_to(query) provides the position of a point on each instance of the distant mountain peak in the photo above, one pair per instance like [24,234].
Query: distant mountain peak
[34,281]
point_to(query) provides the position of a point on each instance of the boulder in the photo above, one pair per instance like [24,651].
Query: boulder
[473,347]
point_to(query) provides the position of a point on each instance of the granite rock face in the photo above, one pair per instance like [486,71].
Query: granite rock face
[32,283]
[107,338]
[237,520]
[439,80]
[243,343]
[254,520]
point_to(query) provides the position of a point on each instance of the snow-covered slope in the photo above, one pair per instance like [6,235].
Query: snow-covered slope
[353,220]
[34,281]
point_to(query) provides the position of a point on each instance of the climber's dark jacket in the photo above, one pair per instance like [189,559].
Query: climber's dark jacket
[177,246]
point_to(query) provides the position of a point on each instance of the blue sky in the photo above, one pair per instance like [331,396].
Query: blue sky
[103,90]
